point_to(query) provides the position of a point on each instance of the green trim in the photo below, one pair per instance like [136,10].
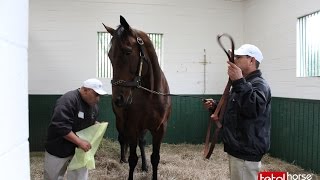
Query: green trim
[295,133]
[186,125]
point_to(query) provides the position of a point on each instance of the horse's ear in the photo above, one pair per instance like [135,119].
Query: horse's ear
[109,29]
[124,23]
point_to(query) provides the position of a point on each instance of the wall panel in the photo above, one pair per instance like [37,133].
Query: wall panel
[64,50]
[295,133]
[187,123]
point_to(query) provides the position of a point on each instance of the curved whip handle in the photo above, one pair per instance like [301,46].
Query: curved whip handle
[230,55]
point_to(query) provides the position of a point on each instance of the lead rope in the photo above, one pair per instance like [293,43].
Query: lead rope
[219,111]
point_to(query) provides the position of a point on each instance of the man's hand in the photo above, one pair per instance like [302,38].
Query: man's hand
[81,143]
[84,145]
[208,103]
[234,71]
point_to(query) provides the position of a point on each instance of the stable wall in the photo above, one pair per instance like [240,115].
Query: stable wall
[272,26]
[63,52]
[14,134]
[63,40]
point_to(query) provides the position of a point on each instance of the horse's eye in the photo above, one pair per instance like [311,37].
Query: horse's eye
[128,53]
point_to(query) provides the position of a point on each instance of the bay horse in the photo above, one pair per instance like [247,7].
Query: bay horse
[137,77]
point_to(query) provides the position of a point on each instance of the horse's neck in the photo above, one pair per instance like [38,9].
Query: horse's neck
[156,76]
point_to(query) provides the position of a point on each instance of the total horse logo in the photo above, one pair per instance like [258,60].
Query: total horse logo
[283,176]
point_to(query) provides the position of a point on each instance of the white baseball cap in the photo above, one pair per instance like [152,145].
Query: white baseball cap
[250,50]
[95,85]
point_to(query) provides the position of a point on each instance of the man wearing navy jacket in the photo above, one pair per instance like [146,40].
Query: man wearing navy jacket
[247,118]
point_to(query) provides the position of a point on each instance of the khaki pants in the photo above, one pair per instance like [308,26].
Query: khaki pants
[243,170]
[55,168]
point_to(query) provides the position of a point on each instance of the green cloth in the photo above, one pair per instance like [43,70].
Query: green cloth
[92,134]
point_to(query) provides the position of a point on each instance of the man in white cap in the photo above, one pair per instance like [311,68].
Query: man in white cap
[247,118]
[73,111]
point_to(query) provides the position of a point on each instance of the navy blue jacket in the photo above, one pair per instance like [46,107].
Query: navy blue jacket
[247,118]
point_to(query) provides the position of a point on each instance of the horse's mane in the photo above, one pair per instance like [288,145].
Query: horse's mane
[121,33]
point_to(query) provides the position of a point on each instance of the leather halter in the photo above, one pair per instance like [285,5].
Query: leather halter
[219,111]
[137,79]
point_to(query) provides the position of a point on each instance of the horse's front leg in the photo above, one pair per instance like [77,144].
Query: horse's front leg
[133,159]
[156,143]
[142,144]
[123,148]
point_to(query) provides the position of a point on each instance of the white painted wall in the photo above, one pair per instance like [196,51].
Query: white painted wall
[271,25]
[14,151]
[63,39]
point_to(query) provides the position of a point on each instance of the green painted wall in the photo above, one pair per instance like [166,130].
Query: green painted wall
[187,123]
[295,134]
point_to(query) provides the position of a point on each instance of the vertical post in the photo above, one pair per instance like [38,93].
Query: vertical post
[14,130]
[204,62]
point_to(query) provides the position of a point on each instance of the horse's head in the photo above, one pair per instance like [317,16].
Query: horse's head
[126,54]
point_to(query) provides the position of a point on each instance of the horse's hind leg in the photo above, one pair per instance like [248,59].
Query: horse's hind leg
[142,144]
[133,159]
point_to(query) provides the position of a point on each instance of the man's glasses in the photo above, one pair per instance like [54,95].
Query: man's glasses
[240,56]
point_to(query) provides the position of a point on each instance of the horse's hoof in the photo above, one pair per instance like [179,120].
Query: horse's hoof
[123,161]
[145,169]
